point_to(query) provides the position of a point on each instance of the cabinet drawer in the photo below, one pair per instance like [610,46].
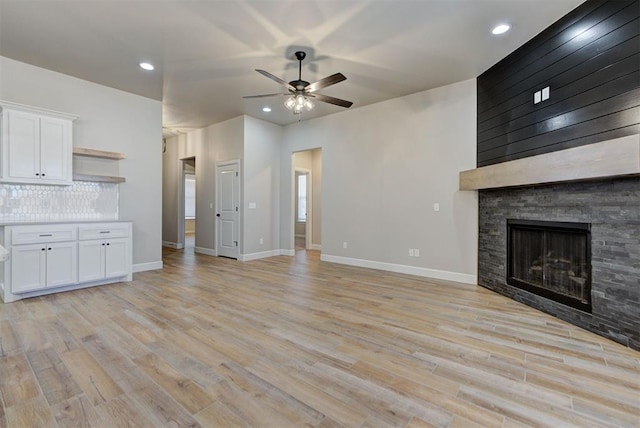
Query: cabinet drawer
[102,231]
[42,234]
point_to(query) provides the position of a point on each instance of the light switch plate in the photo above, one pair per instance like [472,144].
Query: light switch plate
[545,94]
[537,97]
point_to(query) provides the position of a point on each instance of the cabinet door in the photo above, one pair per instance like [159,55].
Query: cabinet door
[21,151]
[56,149]
[28,267]
[91,260]
[62,263]
[117,258]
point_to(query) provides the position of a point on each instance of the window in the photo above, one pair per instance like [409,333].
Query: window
[189,196]
[302,198]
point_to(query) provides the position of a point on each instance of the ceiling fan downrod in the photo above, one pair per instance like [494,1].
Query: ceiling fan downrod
[300,55]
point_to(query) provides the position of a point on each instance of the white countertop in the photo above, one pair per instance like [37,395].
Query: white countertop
[33,223]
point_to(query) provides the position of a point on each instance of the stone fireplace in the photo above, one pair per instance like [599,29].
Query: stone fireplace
[598,213]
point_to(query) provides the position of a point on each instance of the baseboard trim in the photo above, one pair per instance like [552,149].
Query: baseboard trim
[411,270]
[284,252]
[174,245]
[316,247]
[207,251]
[260,255]
[141,267]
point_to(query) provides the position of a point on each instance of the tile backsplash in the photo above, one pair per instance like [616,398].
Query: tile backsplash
[82,201]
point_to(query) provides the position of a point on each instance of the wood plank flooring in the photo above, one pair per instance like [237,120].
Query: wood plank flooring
[291,342]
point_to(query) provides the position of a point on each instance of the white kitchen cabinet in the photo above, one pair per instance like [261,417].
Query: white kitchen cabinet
[105,251]
[37,145]
[49,258]
[100,259]
[43,265]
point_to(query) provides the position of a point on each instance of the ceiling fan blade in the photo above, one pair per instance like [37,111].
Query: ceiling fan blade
[263,96]
[276,79]
[332,100]
[327,81]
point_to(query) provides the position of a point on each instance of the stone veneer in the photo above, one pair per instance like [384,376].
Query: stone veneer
[613,209]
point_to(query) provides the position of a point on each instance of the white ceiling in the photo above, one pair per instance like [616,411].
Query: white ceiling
[205,52]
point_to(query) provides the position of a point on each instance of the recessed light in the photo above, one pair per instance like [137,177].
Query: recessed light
[266,109]
[500,29]
[146,66]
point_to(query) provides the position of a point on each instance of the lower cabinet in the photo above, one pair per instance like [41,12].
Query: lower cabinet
[45,258]
[100,259]
[39,266]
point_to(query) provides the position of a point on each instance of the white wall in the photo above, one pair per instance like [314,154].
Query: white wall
[384,166]
[261,179]
[111,120]
[316,233]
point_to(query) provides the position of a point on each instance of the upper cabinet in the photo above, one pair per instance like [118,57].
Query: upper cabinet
[36,145]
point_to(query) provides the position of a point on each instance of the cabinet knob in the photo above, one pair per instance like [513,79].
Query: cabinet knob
[43,174]
[49,249]
[107,243]
[37,173]
[43,249]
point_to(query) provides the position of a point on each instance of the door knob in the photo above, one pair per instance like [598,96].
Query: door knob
[218,215]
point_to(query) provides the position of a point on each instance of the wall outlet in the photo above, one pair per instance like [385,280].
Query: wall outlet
[252,205]
[344,244]
[436,206]
[261,241]
[211,206]
[410,252]
[416,252]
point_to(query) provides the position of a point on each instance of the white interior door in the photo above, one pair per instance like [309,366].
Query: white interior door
[228,205]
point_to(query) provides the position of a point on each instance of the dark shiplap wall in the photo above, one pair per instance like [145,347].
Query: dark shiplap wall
[590,59]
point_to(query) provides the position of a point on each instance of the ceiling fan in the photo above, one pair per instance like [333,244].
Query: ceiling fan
[301,92]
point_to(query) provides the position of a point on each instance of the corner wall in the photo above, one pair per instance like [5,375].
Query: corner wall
[384,168]
[260,189]
[219,142]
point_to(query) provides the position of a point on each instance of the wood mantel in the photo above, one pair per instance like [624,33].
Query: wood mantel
[607,159]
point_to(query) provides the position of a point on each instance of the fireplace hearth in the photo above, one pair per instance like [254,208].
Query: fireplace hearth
[551,259]
[611,210]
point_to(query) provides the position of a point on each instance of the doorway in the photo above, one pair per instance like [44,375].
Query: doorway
[187,204]
[303,209]
[228,209]
[307,199]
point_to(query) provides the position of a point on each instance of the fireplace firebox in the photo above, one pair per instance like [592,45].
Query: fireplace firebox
[551,259]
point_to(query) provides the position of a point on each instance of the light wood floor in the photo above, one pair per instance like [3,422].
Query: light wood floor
[298,342]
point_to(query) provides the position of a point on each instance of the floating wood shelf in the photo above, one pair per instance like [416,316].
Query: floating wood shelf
[607,159]
[98,178]
[94,153]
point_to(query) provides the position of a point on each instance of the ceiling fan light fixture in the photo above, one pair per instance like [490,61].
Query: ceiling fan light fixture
[298,102]
[308,105]
[290,102]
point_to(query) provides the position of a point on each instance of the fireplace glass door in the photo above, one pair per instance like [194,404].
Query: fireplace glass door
[551,259]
